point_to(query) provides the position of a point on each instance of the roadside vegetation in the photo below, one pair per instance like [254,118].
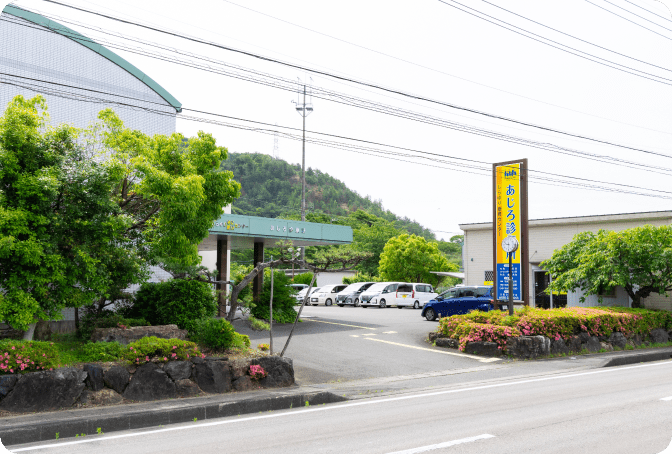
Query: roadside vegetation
[556,324]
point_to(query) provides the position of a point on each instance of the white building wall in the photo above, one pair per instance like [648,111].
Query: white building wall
[547,235]
[32,51]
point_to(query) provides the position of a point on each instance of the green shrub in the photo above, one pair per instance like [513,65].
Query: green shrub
[153,349]
[283,301]
[217,334]
[101,351]
[178,302]
[258,325]
[20,357]
[106,319]
[241,341]
[303,278]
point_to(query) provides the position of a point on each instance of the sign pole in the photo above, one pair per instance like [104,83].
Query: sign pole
[510,284]
[270,330]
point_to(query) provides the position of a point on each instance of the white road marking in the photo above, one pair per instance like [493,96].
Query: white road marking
[341,324]
[667,450]
[447,444]
[369,334]
[463,355]
[221,422]
[354,335]
[389,332]
[667,398]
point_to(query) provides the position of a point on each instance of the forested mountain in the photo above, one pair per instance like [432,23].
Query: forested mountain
[272,188]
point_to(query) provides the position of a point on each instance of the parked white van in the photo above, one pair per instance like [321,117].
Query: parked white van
[379,294]
[413,294]
[326,295]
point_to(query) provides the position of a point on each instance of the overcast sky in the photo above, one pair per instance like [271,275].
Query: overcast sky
[430,49]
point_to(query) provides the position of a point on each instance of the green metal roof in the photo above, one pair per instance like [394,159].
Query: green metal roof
[87,42]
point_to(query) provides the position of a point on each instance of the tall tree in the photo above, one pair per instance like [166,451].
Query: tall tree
[638,259]
[410,258]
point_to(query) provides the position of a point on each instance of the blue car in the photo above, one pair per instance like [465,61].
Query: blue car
[459,300]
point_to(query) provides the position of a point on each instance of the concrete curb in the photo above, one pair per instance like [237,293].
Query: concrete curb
[43,427]
[636,358]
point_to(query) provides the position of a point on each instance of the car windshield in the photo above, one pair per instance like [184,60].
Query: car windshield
[482,291]
[353,287]
[378,287]
[448,294]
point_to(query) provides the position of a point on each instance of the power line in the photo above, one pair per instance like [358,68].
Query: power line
[371,85]
[649,11]
[572,36]
[626,19]
[390,110]
[479,170]
[635,14]
[564,47]
[434,69]
[322,142]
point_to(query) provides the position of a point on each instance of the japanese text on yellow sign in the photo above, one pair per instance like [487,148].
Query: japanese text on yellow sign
[508,223]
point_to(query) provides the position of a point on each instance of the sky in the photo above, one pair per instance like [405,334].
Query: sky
[431,50]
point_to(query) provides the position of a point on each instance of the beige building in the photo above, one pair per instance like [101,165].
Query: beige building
[546,235]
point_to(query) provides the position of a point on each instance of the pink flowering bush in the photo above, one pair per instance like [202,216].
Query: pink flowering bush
[20,357]
[153,349]
[257,372]
[469,331]
[556,324]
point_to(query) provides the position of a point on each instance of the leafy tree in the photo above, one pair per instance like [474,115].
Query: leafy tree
[410,258]
[303,278]
[283,299]
[84,213]
[360,277]
[58,225]
[638,259]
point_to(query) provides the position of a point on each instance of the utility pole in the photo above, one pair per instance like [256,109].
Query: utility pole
[276,148]
[304,109]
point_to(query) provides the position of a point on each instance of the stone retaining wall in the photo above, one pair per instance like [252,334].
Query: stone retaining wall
[528,347]
[94,384]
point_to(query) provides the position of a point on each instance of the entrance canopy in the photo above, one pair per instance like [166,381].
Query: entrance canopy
[242,232]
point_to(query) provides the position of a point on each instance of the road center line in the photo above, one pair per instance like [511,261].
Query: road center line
[340,324]
[446,444]
[463,355]
[221,422]
[667,398]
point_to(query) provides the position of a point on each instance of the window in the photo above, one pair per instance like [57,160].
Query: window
[469,292]
[489,276]
[604,293]
[482,291]
[405,288]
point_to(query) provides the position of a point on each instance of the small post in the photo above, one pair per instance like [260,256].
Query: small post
[271,311]
[550,281]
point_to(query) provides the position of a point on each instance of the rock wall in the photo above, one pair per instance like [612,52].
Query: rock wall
[127,335]
[93,384]
[529,347]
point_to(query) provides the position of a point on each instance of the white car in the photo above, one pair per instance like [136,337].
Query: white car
[302,294]
[380,294]
[413,294]
[326,295]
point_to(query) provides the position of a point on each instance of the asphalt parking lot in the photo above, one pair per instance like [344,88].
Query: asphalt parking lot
[335,344]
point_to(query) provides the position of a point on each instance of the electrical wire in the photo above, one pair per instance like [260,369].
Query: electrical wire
[626,19]
[572,36]
[322,142]
[439,71]
[390,110]
[635,14]
[371,85]
[555,44]
[649,11]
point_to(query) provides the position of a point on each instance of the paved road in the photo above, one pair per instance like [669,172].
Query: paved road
[602,411]
[335,344]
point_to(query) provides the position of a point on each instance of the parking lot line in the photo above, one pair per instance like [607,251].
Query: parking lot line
[341,324]
[463,355]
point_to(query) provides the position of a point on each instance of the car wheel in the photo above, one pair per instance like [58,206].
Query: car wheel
[364,307]
[382,304]
[328,302]
[340,305]
[430,315]
[400,307]
[416,305]
[356,302]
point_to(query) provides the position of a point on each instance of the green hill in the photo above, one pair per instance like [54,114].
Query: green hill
[272,188]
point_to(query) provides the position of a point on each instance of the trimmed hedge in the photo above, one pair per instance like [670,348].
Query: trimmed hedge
[497,326]
[153,349]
